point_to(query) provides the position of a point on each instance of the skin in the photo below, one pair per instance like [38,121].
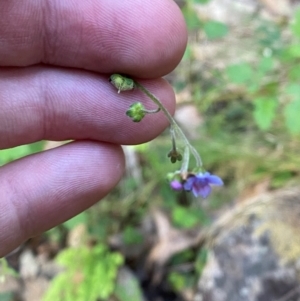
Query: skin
[55,60]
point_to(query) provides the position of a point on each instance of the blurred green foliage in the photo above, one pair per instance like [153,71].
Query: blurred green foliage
[81,218]
[188,217]
[177,281]
[271,83]
[8,155]
[89,274]
[130,290]
[249,134]
[132,236]
[5,270]
[6,296]
[215,30]
[212,29]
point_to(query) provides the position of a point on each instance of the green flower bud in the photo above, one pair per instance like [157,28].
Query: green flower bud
[174,156]
[136,112]
[122,83]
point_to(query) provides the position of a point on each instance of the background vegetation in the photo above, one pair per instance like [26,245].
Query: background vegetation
[240,82]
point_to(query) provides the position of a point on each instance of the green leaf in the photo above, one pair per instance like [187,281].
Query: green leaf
[128,287]
[268,35]
[11,154]
[188,217]
[239,73]
[292,109]
[281,178]
[201,260]
[9,296]
[132,236]
[215,30]
[188,53]
[89,274]
[295,25]
[292,116]
[8,155]
[266,64]
[81,218]
[177,281]
[184,218]
[6,270]
[294,73]
[293,51]
[264,111]
[191,18]
[293,90]
[201,1]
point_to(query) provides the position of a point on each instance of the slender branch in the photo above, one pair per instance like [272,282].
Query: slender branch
[173,138]
[152,111]
[156,101]
[185,161]
[172,122]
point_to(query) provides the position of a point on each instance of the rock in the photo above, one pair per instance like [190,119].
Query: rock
[34,289]
[29,267]
[255,252]
[127,286]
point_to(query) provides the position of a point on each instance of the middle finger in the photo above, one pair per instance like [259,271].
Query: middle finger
[56,104]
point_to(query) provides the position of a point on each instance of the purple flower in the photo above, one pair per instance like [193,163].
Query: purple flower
[200,184]
[176,185]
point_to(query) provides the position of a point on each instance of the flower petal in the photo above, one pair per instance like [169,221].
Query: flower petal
[203,191]
[188,184]
[202,175]
[176,185]
[215,180]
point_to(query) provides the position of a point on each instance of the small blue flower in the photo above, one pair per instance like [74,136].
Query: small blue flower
[200,184]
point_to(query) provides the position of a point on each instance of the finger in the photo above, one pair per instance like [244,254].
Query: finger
[145,38]
[56,104]
[43,190]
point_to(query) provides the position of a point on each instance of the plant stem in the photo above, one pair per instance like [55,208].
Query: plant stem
[172,122]
[185,161]
[152,111]
[173,138]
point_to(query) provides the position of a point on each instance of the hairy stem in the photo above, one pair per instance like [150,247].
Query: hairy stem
[173,123]
[185,161]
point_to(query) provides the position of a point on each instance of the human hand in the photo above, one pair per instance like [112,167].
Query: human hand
[55,58]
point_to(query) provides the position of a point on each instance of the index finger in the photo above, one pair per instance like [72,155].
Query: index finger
[144,38]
